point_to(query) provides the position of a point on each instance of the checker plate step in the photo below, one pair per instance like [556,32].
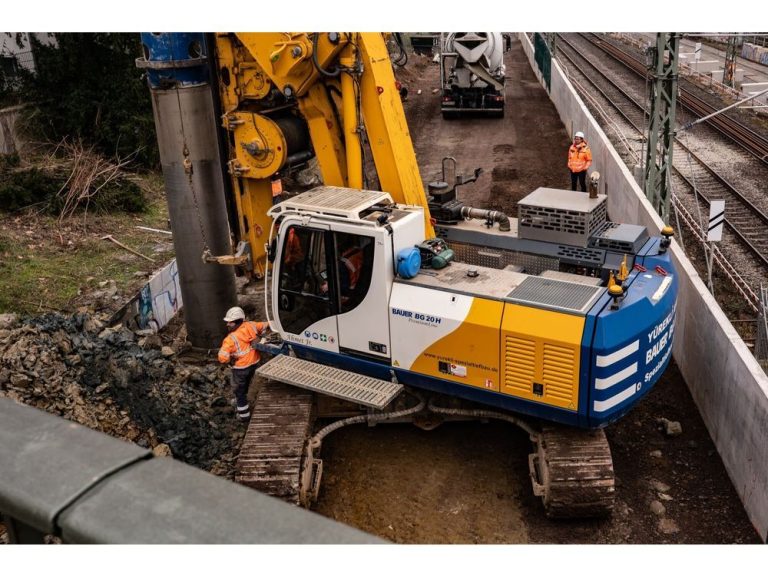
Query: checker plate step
[335,382]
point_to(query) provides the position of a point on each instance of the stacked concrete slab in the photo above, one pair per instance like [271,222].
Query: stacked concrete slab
[738,75]
[703,66]
[711,68]
[725,380]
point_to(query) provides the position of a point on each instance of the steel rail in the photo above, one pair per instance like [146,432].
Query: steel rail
[602,74]
[740,134]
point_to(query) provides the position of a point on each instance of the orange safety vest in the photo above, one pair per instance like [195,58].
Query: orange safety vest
[579,157]
[237,344]
[294,251]
[353,260]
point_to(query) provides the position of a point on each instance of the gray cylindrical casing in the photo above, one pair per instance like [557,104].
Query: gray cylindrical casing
[207,290]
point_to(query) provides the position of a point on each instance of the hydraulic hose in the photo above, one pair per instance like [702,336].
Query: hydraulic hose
[402,58]
[317,439]
[488,215]
[328,74]
[484,414]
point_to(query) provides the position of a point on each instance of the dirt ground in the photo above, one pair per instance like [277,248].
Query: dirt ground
[468,482]
[462,482]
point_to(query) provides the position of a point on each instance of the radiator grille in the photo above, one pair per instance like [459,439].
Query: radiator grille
[558,369]
[579,254]
[555,294]
[500,258]
[554,219]
[598,218]
[520,364]
[531,364]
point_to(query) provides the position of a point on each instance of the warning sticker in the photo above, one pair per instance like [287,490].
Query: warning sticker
[459,370]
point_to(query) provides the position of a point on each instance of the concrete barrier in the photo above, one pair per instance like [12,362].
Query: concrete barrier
[10,141]
[754,53]
[704,66]
[738,76]
[725,380]
[156,303]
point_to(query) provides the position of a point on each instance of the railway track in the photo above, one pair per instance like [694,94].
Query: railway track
[746,222]
[739,133]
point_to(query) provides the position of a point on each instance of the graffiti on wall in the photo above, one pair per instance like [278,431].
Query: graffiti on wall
[157,301]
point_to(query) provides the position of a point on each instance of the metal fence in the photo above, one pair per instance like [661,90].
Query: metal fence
[543,58]
[11,66]
[26,60]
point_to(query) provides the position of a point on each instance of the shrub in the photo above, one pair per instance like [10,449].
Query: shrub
[87,87]
[19,189]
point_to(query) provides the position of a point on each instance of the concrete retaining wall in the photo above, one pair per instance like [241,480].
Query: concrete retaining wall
[9,137]
[156,303]
[726,382]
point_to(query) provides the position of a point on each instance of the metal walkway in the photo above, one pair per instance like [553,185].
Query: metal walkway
[349,386]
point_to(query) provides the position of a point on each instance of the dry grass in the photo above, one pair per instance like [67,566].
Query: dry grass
[46,264]
[88,174]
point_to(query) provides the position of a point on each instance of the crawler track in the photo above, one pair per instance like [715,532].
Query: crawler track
[573,473]
[272,454]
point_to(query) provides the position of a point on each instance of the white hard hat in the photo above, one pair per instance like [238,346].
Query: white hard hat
[579,135]
[233,314]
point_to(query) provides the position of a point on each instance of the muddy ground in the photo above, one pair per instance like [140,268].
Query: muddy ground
[468,482]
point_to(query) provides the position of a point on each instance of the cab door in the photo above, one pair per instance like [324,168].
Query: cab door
[302,295]
[362,291]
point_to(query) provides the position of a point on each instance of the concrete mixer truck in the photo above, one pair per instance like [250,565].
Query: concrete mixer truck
[472,73]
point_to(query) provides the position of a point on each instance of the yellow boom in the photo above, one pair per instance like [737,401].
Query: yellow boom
[283,93]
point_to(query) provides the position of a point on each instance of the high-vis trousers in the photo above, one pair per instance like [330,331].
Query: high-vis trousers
[241,380]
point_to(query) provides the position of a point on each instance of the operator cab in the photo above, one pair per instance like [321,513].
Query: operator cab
[322,273]
[334,268]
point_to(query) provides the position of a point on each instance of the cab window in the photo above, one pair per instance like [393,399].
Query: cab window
[303,294]
[353,255]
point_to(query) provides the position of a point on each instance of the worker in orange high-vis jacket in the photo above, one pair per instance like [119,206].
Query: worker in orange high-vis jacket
[350,267]
[236,349]
[351,261]
[579,161]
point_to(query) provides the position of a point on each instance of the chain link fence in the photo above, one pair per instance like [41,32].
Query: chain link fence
[11,66]
[25,60]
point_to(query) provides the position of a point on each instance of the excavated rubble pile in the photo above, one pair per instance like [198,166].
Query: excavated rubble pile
[125,384]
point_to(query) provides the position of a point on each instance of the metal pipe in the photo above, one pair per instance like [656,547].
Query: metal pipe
[488,215]
[317,439]
[480,413]
[222,137]
[718,112]
[187,139]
